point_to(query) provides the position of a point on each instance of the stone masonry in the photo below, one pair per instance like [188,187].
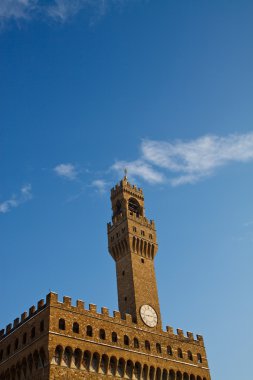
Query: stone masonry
[57,340]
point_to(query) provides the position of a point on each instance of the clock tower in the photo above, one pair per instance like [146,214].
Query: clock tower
[132,244]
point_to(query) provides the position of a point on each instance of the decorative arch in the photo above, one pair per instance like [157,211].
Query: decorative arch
[112,366]
[77,358]
[104,364]
[137,370]
[129,369]
[95,362]
[58,355]
[67,356]
[86,360]
[121,367]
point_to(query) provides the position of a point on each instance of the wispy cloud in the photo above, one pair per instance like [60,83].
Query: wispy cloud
[140,169]
[24,195]
[67,171]
[181,162]
[100,185]
[58,10]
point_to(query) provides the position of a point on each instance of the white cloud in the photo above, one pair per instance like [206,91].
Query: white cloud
[100,185]
[198,158]
[59,10]
[15,201]
[67,171]
[141,169]
[181,162]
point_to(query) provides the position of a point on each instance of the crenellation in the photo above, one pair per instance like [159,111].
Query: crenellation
[16,322]
[67,301]
[80,305]
[23,316]
[128,318]
[190,335]
[93,308]
[180,333]
[116,315]
[105,311]
[170,330]
[40,304]
[52,298]
[32,310]
[8,328]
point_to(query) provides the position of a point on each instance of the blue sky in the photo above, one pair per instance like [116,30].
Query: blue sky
[164,88]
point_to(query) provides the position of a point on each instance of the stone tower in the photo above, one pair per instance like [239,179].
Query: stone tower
[59,340]
[133,245]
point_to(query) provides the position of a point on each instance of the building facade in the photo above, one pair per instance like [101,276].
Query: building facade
[57,340]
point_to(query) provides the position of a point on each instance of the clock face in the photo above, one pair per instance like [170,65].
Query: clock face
[148,315]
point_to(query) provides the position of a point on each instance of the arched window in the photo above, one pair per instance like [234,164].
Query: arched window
[158,348]
[42,325]
[95,362]
[137,370]
[129,369]
[58,355]
[179,375]
[134,206]
[192,377]
[158,374]
[126,340]
[121,367]
[199,358]
[147,345]
[77,357]
[102,334]
[104,364]
[179,353]
[113,365]
[165,375]
[67,357]
[189,354]
[185,376]
[114,337]
[169,350]
[76,327]
[86,360]
[171,375]
[152,373]
[16,344]
[24,338]
[33,333]
[61,324]
[136,343]
[89,331]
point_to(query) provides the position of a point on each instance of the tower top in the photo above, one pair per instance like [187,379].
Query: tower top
[125,186]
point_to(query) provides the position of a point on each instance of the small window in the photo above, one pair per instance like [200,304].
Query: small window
[33,333]
[114,337]
[142,260]
[142,233]
[189,354]
[123,273]
[125,298]
[169,351]
[76,327]
[89,331]
[158,348]
[126,340]
[8,350]
[16,344]
[134,229]
[150,236]
[199,358]
[24,338]
[117,234]
[179,353]
[136,343]
[147,345]
[102,334]
[41,326]
[123,230]
[61,324]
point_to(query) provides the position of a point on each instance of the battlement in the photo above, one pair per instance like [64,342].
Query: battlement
[125,185]
[140,219]
[104,315]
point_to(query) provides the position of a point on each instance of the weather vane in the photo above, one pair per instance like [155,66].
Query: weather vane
[125,171]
